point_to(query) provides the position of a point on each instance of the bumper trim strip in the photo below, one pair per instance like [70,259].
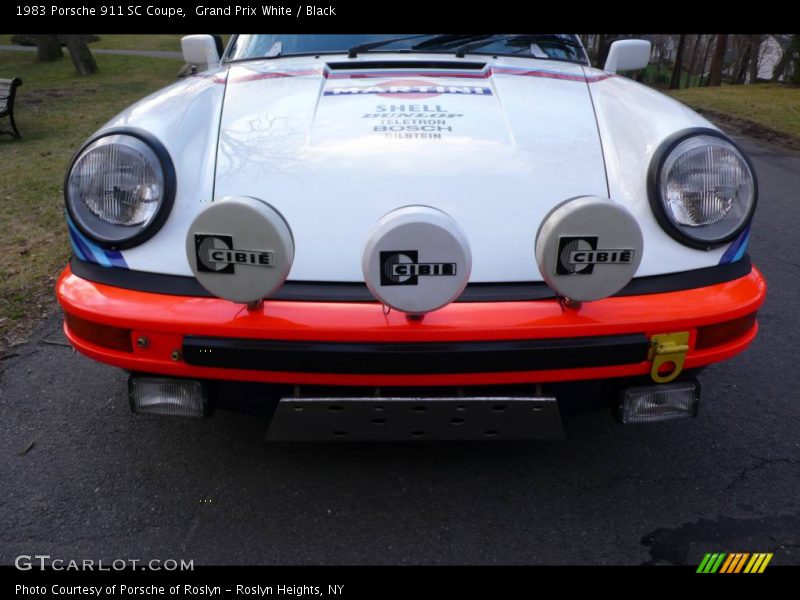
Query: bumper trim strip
[324,291]
[392,358]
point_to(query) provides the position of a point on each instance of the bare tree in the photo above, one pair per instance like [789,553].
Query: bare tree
[694,54]
[601,50]
[48,48]
[791,51]
[743,51]
[717,61]
[755,47]
[675,83]
[660,50]
[706,53]
[81,55]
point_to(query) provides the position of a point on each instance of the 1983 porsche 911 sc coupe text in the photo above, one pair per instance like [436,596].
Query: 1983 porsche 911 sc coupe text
[410,237]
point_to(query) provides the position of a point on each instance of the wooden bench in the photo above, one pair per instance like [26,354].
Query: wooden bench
[8,91]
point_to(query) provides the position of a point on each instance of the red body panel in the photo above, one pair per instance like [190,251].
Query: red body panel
[165,319]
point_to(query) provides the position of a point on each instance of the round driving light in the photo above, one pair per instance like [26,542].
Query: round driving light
[416,260]
[119,189]
[588,248]
[703,189]
[240,249]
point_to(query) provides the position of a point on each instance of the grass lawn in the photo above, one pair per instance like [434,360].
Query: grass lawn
[774,106]
[56,110]
[166,42]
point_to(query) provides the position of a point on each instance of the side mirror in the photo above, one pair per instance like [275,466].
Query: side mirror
[200,50]
[627,55]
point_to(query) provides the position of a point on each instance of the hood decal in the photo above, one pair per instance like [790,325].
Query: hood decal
[407,109]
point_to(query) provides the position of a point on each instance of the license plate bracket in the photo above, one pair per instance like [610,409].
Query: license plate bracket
[415,418]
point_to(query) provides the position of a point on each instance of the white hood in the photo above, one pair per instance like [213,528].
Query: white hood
[334,149]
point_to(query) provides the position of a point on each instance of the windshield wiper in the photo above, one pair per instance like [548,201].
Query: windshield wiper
[462,50]
[367,46]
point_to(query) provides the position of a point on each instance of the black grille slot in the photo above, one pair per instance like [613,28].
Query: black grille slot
[406,64]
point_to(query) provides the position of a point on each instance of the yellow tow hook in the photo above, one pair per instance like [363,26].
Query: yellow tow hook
[668,348]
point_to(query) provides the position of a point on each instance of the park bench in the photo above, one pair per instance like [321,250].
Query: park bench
[8,91]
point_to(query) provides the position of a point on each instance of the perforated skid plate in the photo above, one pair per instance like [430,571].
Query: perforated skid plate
[400,418]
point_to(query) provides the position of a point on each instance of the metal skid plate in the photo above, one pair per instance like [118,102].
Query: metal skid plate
[424,418]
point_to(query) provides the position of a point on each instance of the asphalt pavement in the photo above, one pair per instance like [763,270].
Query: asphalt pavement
[81,477]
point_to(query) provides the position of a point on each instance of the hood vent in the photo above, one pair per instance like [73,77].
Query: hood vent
[364,65]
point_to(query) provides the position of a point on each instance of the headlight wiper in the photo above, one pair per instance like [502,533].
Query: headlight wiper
[367,46]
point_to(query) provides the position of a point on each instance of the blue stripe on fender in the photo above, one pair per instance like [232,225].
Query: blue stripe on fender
[91,252]
[116,259]
[78,248]
[737,248]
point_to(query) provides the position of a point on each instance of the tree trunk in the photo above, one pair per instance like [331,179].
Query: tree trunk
[792,51]
[675,83]
[780,67]
[48,48]
[706,53]
[601,52]
[755,46]
[742,68]
[715,70]
[693,61]
[81,55]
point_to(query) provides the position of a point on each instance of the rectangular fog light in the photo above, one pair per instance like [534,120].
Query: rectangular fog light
[165,396]
[660,402]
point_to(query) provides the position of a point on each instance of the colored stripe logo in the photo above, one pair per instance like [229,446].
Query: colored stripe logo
[88,251]
[734,562]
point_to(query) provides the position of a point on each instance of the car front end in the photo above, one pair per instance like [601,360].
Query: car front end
[452,242]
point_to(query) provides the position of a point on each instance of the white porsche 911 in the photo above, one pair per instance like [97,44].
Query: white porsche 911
[429,236]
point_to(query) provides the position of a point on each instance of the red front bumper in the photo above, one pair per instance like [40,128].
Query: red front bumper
[165,320]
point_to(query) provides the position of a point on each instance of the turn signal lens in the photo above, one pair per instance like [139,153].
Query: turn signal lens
[102,335]
[722,333]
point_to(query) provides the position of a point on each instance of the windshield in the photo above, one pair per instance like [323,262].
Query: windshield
[564,47]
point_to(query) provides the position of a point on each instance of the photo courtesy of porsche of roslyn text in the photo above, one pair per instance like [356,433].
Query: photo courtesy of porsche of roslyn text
[276,262]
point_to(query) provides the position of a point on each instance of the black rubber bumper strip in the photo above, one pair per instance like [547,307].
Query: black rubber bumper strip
[414,358]
[322,291]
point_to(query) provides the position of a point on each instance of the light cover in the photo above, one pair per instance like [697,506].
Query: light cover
[116,188]
[663,402]
[707,189]
[164,396]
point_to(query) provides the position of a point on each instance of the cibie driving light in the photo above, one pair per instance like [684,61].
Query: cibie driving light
[703,190]
[119,189]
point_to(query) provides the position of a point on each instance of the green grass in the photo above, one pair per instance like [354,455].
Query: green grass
[56,110]
[165,42]
[774,106]
[665,76]
[108,41]
[168,42]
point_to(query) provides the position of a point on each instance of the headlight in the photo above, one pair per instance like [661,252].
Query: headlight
[703,189]
[120,188]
